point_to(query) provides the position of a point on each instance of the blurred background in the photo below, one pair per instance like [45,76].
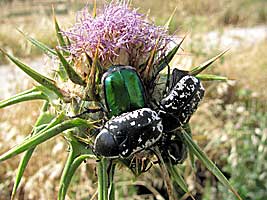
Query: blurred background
[230,125]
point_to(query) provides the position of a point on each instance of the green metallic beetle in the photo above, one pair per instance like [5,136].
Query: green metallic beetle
[123,90]
[132,126]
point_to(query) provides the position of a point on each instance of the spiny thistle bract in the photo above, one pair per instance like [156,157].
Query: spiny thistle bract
[78,105]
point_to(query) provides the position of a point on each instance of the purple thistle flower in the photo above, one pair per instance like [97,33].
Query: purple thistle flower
[124,36]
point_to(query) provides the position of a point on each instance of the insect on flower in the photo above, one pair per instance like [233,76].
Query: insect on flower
[129,133]
[123,90]
[181,101]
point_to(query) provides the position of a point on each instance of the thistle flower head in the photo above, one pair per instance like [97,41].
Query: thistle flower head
[122,34]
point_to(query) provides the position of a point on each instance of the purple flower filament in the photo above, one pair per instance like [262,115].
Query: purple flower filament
[120,31]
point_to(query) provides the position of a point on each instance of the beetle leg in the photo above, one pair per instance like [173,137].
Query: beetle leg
[148,167]
[88,110]
[104,110]
[142,164]
[157,156]
[155,162]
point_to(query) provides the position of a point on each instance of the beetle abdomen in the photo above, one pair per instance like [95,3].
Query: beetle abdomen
[128,133]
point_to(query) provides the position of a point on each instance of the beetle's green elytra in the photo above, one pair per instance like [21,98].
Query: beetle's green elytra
[123,90]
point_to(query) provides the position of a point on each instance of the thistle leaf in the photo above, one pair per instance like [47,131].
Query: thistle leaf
[45,120]
[45,107]
[167,24]
[68,173]
[68,41]
[75,158]
[165,61]
[149,64]
[187,128]
[28,95]
[39,45]
[89,59]
[49,93]
[53,122]
[58,31]
[94,9]
[211,77]
[74,77]
[61,70]
[46,82]
[208,163]
[43,136]
[205,65]
[62,73]
[41,122]
[176,177]
[20,171]
[91,79]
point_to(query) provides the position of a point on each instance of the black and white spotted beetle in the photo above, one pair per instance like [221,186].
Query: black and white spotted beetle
[129,133]
[182,99]
[176,108]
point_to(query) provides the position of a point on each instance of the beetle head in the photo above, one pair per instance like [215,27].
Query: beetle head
[105,144]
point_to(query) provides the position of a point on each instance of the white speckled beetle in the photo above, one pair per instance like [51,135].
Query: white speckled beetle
[129,133]
[181,101]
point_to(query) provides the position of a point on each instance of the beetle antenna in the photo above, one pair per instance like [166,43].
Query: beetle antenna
[148,167]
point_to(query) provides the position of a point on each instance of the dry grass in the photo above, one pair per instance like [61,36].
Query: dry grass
[199,16]
[248,67]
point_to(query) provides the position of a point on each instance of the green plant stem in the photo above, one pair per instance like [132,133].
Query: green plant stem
[111,192]
[28,95]
[102,179]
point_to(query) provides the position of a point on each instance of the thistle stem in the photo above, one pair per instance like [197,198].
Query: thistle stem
[102,180]
[111,190]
